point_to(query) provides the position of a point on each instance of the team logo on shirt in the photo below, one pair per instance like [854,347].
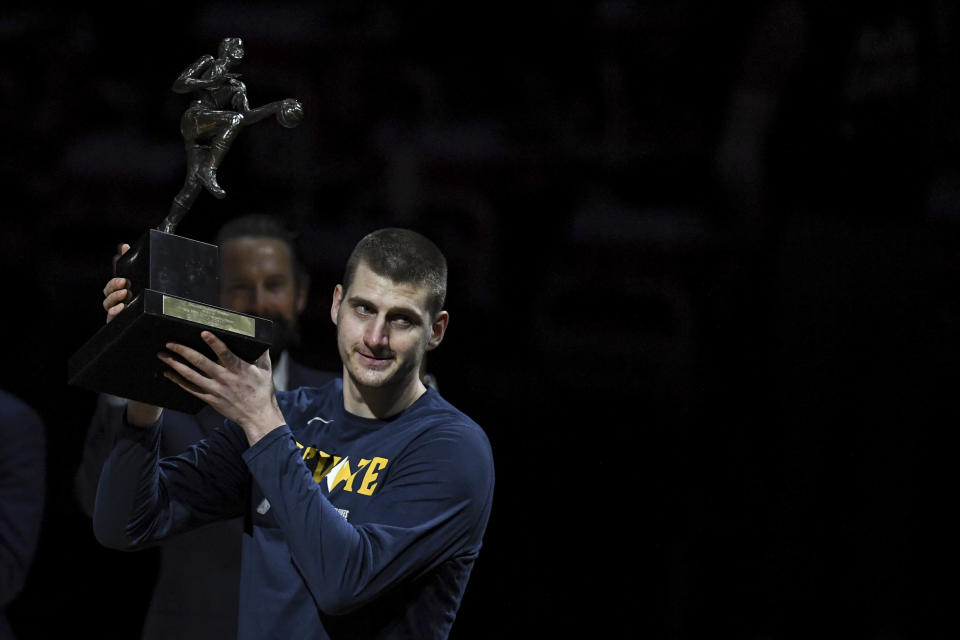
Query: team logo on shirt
[356,476]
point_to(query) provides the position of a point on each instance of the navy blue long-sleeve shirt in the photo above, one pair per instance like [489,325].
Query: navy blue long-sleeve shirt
[355,527]
[196,594]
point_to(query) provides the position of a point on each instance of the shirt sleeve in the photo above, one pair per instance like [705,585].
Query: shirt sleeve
[105,426]
[434,507]
[22,491]
[143,499]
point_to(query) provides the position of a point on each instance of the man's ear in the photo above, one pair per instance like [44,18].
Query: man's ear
[335,305]
[303,291]
[437,330]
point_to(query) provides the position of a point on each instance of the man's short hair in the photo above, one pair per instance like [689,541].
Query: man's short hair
[403,256]
[259,225]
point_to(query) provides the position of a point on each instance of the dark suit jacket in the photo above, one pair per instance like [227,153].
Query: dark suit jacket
[22,490]
[197,587]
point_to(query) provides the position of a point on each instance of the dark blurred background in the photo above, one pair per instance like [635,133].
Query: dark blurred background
[704,282]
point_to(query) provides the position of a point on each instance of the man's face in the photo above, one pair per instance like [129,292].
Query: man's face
[383,329]
[257,277]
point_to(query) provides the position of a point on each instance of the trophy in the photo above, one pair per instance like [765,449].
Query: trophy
[173,281]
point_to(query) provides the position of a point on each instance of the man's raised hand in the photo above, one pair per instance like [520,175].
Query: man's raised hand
[116,290]
[238,390]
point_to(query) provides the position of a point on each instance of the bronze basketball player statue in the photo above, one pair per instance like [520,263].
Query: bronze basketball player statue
[214,119]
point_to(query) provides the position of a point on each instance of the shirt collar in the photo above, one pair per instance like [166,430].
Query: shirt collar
[281,372]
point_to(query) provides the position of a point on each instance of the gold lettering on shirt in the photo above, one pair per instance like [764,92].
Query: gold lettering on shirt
[327,463]
[368,485]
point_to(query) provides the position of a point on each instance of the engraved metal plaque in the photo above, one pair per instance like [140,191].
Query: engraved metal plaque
[213,317]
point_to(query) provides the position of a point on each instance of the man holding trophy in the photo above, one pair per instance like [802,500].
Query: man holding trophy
[195,594]
[364,500]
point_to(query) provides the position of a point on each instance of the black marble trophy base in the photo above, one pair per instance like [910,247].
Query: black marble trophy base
[173,281]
